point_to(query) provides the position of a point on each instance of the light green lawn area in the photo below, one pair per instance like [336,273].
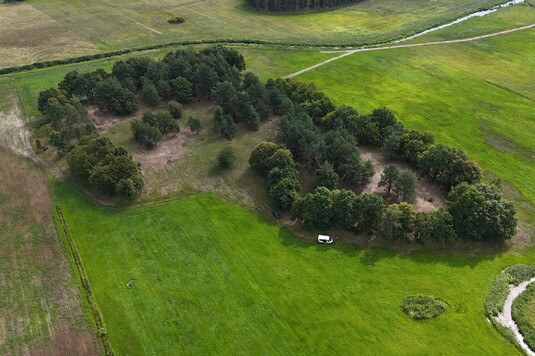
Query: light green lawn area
[209,277]
[118,24]
[479,96]
[504,19]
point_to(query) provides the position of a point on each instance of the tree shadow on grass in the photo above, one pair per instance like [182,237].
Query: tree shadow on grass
[457,255]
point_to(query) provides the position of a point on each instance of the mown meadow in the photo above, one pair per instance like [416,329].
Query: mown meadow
[198,274]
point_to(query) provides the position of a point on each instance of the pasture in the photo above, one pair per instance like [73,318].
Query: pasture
[477,95]
[55,28]
[201,275]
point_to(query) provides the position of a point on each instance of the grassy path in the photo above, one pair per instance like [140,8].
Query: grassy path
[382,48]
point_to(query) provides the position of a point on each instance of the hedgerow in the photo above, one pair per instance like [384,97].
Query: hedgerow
[519,313]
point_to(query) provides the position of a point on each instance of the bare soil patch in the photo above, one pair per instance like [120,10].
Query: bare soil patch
[169,150]
[429,196]
[14,134]
[104,121]
[40,311]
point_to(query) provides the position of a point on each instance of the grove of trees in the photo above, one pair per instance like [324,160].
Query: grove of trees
[296,5]
[322,141]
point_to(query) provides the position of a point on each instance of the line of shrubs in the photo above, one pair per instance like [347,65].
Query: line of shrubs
[230,41]
[97,316]
[498,291]
[521,317]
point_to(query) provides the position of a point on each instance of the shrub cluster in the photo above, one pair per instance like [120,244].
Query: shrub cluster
[107,169]
[324,208]
[177,20]
[421,307]
[278,166]
[499,288]
[152,126]
[521,315]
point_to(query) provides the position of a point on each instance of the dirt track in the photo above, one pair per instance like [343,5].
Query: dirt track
[14,134]
[383,48]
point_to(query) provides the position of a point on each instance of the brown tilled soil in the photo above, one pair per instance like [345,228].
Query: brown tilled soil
[40,310]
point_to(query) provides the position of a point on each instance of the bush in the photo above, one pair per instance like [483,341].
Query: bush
[500,286]
[521,317]
[226,157]
[420,307]
[175,109]
[177,20]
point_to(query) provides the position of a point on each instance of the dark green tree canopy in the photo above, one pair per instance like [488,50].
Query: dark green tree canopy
[480,213]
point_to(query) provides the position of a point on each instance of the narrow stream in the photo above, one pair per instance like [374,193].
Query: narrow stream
[461,19]
[506,319]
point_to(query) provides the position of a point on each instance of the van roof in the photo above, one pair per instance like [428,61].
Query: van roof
[324,237]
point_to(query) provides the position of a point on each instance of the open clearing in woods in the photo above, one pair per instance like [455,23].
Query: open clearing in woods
[76,27]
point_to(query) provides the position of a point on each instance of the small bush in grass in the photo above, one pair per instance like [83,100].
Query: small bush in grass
[175,109]
[420,307]
[175,20]
[226,157]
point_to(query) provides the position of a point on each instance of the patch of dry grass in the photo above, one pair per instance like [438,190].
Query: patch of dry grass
[27,35]
[40,312]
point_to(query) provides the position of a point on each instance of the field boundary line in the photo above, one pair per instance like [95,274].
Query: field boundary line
[74,254]
[142,25]
[346,53]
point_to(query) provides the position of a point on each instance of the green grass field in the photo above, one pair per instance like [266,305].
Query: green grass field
[504,19]
[210,277]
[81,27]
[479,96]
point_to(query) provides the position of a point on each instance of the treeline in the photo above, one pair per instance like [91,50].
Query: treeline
[323,141]
[296,5]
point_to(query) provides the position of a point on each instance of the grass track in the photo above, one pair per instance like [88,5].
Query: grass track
[210,277]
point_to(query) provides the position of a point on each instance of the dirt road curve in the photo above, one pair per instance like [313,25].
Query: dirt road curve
[382,48]
[506,319]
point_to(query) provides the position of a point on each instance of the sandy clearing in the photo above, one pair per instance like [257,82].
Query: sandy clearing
[169,150]
[429,197]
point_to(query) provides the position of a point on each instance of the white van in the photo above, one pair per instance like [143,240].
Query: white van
[324,239]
